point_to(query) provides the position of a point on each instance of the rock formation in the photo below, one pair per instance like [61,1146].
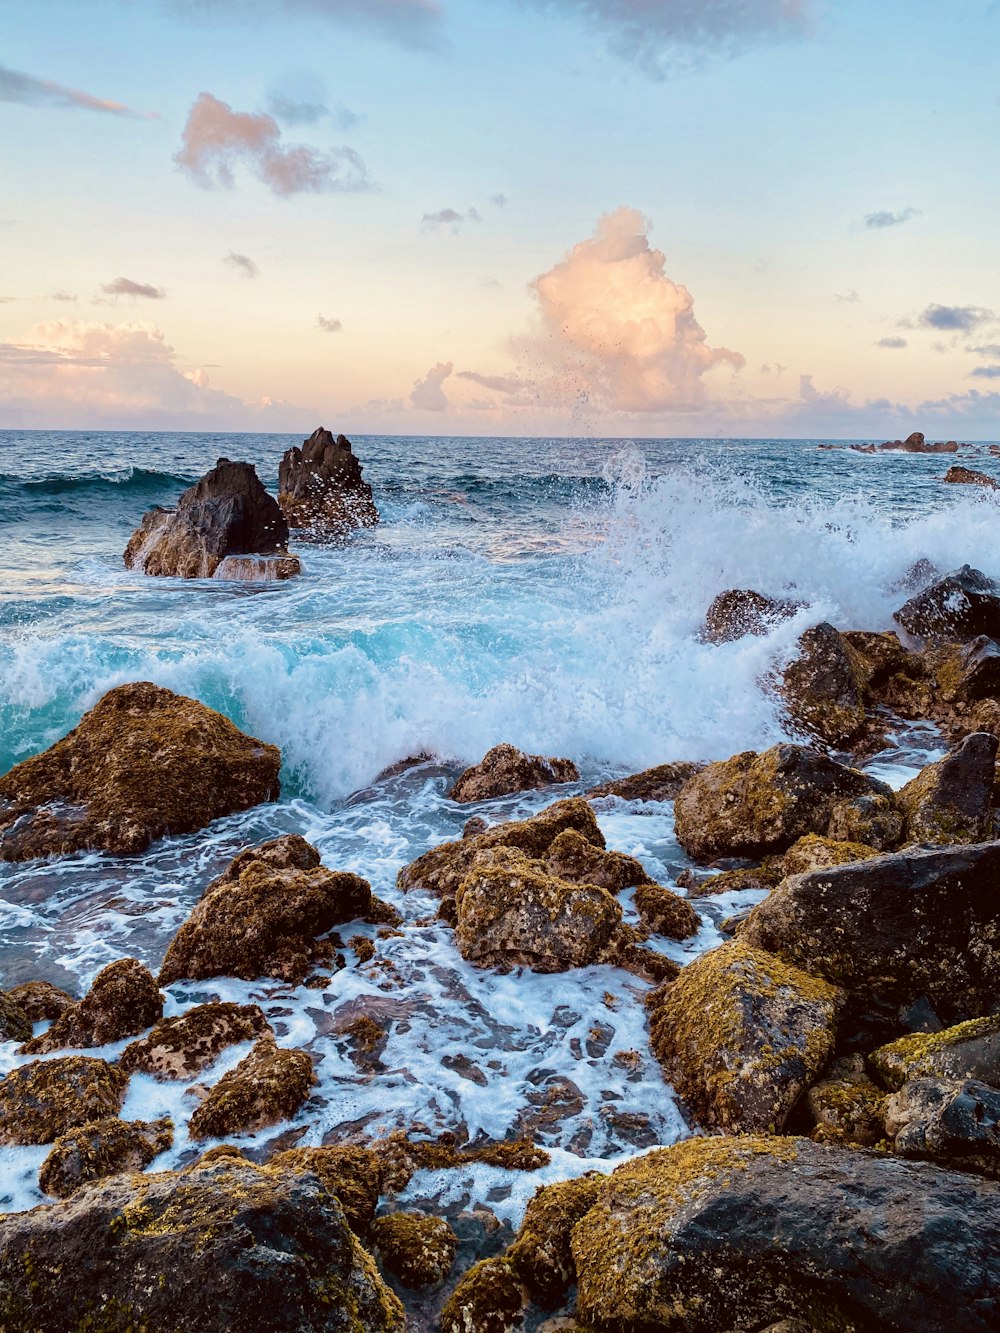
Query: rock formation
[320,487]
[741,611]
[123,1001]
[967,476]
[505,770]
[962,605]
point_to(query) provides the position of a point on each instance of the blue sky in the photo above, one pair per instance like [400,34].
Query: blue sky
[496,216]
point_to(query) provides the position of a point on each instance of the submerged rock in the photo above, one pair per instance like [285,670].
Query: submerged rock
[102,1148]
[967,476]
[652,784]
[143,762]
[741,611]
[265,916]
[320,486]
[824,687]
[46,1098]
[227,513]
[967,1050]
[180,1047]
[951,800]
[416,1249]
[226,1246]
[268,1086]
[961,605]
[505,770]
[123,1000]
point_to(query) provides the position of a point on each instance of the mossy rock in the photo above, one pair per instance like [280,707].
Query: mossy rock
[755,878]
[664,912]
[868,821]
[488,1299]
[950,801]
[575,858]
[267,1087]
[824,687]
[102,1148]
[419,1251]
[15,1025]
[505,770]
[182,1046]
[123,1000]
[967,1050]
[847,1106]
[541,1255]
[661,783]
[352,1173]
[46,1098]
[40,1000]
[813,852]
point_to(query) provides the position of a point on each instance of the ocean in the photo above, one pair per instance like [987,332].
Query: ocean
[543,592]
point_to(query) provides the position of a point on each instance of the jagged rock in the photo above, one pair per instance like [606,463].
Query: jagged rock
[354,1174]
[419,1251]
[265,915]
[847,1106]
[15,1025]
[268,1086]
[968,476]
[180,1047]
[40,1000]
[574,857]
[967,1050]
[46,1098]
[824,687]
[652,784]
[894,928]
[741,611]
[488,1299]
[756,804]
[950,800]
[122,1001]
[664,912]
[143,762]
[869,821]
[955,1121]
[225,1247]
[541,1255]
[971,672]
[320,486]
[740,1035]
[505,770]
[227,513]
[917,576]
[962,605]
[721,1233]
[916,444]
[102,1148]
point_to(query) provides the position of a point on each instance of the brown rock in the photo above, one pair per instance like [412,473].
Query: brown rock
[180,1047]
[488,1299]
[824,688]
[143,762]
[419,1251]
[40,1000]
[352,1173]
[950,800]
[916,444]
[41,1100]
[742,611]
[541,1255]
[15,1025]
[652,784]
[665,913]
[815,853]
[505,770]
[967,476]
[122,1001]
[102,1148]
[961,605]
[320,487]
[574,857]
[847,1106]
[268,1086]
[871,821]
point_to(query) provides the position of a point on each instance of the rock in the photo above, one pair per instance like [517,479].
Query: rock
[917,576]
[812,852]
[666,913]
[40,1000]
[257,568]
[757,804]
[513,912]
[741,1035]
[652,784]
[505,770]
[824,687]
[741,611]
[265,914]
[122,1001]
[268,1086]
[916,444]
[180,1047]
[869,821]
[847,1106]
[143,762]
[102,1148]
[474,826]
[950,801]
[961,605]
[320,486]
[15,1025]
[574,857]
[968,1050]
[955,1121]
[352,1173]
[718,1233]
[419,1251]
[488,1299]
[894,928]
[227,513]
[968,476]
[225,1247]
[971,672]
[46,1098]
[541,1255]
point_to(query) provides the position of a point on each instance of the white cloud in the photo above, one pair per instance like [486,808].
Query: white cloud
[427,394]
[449,217]
[878,221]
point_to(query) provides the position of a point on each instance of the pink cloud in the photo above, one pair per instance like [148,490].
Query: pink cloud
[427,394]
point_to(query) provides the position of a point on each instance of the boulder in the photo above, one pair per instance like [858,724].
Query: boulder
[573,856]
[265,916]
[542,1255]
[754,805]
[950,801]
[812,852]
[225,1246]
[123,1000]
[488,1299]
[824,687]
[505,770]
[953,1121]
[967,476]
[741,1035]
[741,611]
[320,486]
[227,513]
[894,928]
[961,605]
[967,1050]
[102,1148]
[46,1098]
[917,444]
[40,1000]
[15,1025]
[847,1106]
[182,1046]
[718,1233]
[652,784]
[143,762]
[970,672]
[663,912]
[868,821]
[354,1174]
[268,1086]
[419,1251]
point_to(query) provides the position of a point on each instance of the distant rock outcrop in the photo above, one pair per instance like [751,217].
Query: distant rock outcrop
[913,444]
[220,520]
[320,486]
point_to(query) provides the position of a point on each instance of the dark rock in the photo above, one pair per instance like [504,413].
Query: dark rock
[46,1098]
[824,687]
[950,800]
[320,486]
[956,1122]
[102,1148]
[916,444]
[652,784]
[968,476]
[40,1000]
[962,605]
[354,1174]
[268,1086]
[488,1299]
[917,576]
[847,1106]
[143,762]
[227,513]
[505,770]
[968,1050]
[419,1251]
[872,821]
[180,1047]
[977,668]
[123,1000]
[665,913]
[741,611]
[15,1025]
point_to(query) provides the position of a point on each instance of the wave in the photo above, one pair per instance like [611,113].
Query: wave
[115,480]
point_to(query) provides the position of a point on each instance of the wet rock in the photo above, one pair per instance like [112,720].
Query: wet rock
[102,1148]
[265,914]
[180,1047]
[541,1255]
[574,857]
[962,605]
[236,1247]
[15,1025]
[661,783]
[894,928]
[512,912]
[227,513]
[824,687]
[40,1000]
[971,672]
[665,913]
[354,1174]
[419,1251]
[123,1000]
[741,611]
[967,1050]
[488,1299]
[143,762]
[741,1035]
[815,853]
[718,1233]
[320,486]
[847,1106]
[967,476]
[757,804]
[755,878]
[46,1098]
[505,770]
[869,821]
[950,800]
[474,826]
[917,576]
[955,1121]
[917,444]
[266,1087]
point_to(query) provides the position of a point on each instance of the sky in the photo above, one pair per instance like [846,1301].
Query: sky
[621,218]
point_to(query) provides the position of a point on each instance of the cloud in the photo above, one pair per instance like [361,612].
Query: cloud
[876,221]
[986,349]
[498,383]
[126,287]
[242,264]
[216,138]
[414,23]
[448,217]
[987,372]
[893,343]
[26,90]
[328,325]
[427,394]
[499,199]
[308,107]
[850,297]
[63,296]
[956,318]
